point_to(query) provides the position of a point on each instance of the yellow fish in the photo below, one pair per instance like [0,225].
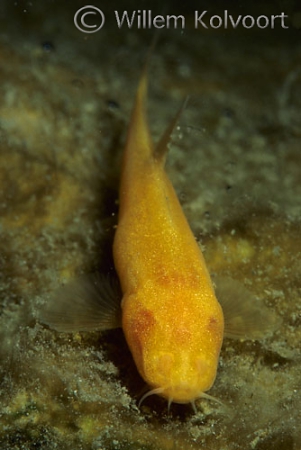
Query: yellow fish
[171,319]
[170,316]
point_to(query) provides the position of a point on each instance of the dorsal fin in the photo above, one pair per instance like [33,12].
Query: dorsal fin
[139,146]
[161,148]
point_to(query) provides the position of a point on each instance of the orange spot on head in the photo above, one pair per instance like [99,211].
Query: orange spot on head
[212,322]
[144,321]
[138,329]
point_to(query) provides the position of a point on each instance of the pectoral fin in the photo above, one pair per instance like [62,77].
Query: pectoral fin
[91,302]
[246,317]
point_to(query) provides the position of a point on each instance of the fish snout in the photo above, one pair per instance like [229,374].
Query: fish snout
[182,378]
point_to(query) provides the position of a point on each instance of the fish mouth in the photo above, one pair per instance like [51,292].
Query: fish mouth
[163,392]
[177,394]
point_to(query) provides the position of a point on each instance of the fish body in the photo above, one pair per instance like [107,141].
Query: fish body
[169,313]
[171,318]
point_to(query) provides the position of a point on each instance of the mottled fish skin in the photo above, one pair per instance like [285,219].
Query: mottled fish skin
[171,318]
